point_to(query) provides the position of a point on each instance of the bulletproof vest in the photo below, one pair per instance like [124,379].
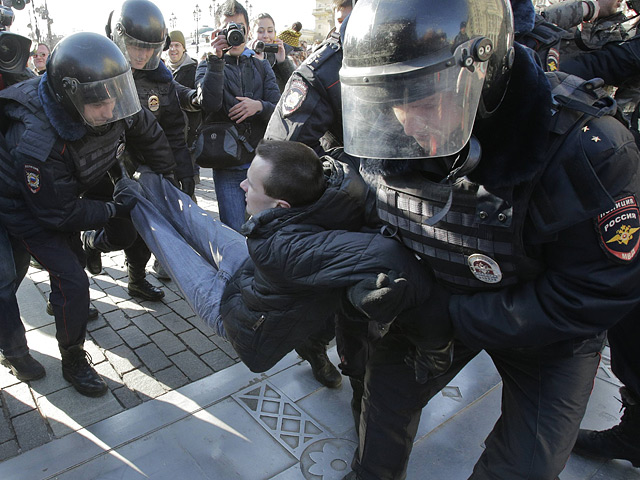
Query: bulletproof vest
[478,244]
[93,155]
[321,71]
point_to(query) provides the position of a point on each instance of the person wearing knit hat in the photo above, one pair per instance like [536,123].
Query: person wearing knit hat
[291,36]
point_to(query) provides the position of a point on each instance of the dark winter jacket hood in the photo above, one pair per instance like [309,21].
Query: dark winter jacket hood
[68,127]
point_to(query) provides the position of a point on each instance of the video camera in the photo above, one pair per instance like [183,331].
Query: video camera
[261,47]
[234,34]
[14,48]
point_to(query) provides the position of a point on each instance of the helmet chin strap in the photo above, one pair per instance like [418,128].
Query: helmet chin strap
[464,163]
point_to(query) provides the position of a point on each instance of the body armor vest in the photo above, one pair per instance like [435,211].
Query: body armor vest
[477,245]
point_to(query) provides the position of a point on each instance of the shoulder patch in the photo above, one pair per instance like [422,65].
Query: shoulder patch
[294,97]
[32,177]
[618,230]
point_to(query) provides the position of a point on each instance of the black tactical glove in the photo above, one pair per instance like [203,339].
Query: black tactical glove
[379,298]
[125,196]
[188,185]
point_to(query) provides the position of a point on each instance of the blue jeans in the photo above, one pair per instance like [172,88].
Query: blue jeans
[230,196]
[14,263]
[198,252]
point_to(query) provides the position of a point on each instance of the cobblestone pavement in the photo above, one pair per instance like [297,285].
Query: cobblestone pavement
[142,349]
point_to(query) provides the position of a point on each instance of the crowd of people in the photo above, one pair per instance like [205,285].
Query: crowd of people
[435,179]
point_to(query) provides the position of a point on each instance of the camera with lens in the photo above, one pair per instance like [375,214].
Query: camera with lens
[234,34]
[14,48]
[261,47]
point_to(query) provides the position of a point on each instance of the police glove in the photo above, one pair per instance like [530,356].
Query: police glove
[125,196]
[188,185]
[380,297]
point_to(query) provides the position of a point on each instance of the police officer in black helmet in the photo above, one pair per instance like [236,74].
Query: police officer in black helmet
[64,131]
[139,31]
[509,199]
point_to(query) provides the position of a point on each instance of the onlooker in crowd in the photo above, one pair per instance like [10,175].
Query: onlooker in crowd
[65,131]
[341,10]
[533,251]
[264,31]
[183,68]
[40,57]
[291,39]
[139,31]
[239,92]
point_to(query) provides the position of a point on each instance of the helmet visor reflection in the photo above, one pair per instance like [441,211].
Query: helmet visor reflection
[418,115]
[140,55]
[104,101]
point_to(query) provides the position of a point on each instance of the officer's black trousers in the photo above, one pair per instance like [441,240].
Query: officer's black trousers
[543,402]
[624,339]
[60,253]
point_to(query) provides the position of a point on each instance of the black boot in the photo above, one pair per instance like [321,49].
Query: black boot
[93,312]
[323,370]
[140,287]
[94,257]
[25,368]
[621,441]
[77,370]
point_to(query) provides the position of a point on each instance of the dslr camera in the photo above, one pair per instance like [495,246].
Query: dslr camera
[261,47]
[14,48]
[234,34]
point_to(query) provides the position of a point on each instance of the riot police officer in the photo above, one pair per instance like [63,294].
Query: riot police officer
[139,31]
[65,130]
[522,215]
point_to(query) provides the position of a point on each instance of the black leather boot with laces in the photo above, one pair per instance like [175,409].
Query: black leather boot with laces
[77,370]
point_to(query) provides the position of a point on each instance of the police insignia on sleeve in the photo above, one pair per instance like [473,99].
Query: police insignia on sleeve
[295,97]
[618,229]
[553,60]
[154,103]
[484,268]
[32,176]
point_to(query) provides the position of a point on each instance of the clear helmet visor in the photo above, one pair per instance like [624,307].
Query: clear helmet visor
[140,55]
[416,114]
[104,101]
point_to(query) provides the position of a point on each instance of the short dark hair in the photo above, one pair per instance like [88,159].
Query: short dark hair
[342,4]
[231,8]
[296,27]
[297,175]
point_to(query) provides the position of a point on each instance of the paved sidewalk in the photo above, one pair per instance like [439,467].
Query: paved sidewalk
[180,405]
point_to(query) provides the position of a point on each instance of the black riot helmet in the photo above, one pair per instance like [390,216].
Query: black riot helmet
[90,77]
[139,30]
[416,73]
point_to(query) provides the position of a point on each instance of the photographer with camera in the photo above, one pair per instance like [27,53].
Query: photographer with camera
[239,94]
[267,46]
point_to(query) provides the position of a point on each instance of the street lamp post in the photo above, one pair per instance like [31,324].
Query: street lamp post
[173,21]
[196,16]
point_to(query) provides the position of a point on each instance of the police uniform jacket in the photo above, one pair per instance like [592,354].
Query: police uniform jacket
[157,93]
[301,261]
[55,158]
[540,248]
[224,79]
[310,107]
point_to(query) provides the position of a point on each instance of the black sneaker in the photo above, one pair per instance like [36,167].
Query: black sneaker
[93,312]
[24,368]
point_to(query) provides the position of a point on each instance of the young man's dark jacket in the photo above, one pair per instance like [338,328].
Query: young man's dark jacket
[221,80]
[185,75]
[302,260]
[157,93]
[55,158]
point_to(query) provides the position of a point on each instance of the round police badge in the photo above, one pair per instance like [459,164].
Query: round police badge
[295,96]
[154,103]
[484,268]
